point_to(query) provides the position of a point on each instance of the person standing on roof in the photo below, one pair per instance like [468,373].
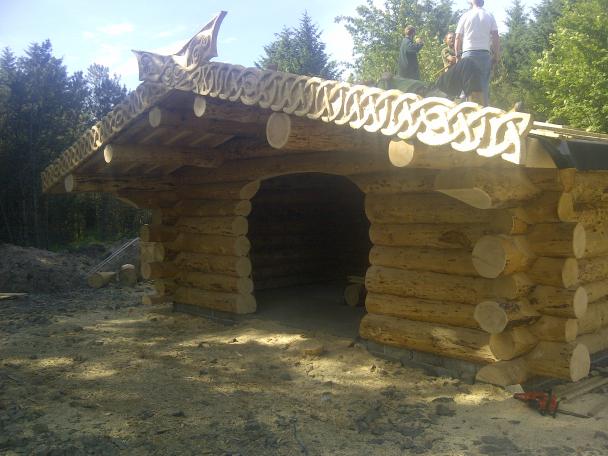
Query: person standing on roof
[448,54]
[477,39]
[408,54]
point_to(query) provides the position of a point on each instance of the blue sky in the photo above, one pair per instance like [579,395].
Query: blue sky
[104,31]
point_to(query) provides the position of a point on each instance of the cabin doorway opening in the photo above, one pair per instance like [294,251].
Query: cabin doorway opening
[309,240]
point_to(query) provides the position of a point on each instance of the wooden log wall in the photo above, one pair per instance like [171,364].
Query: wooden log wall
[526,270]
[307,228]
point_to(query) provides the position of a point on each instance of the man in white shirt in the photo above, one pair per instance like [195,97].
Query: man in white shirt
[477,39]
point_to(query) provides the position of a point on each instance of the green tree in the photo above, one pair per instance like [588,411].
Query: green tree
[300,51]
[377,34]
[574,71]
[105,91]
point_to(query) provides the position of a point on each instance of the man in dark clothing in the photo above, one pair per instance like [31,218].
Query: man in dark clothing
[463,76]
[408,54]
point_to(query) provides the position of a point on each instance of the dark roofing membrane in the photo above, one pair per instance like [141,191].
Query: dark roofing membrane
[577,153]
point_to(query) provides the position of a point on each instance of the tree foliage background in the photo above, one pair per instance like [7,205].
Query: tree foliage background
[43,110]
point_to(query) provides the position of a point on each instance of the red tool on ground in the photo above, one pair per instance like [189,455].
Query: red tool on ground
[545,402]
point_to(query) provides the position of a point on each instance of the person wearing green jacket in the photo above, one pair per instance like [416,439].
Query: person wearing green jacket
[408,54]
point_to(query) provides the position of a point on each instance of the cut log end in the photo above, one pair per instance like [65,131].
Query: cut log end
[400,153]
[489,257]
[491,317]
[579,241]
[200,106]
[155,117]
[580,363]
[69,183]
[107,153]
[278,129]
[474,197]
[353,294]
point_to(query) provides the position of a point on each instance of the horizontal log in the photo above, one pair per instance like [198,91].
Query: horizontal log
[451,341]
[514,286]
[157,233]
[100,279]
[597,240]
[397,181]
[443,312]
[215,264]
[596,290]
[151,251]
[589,186]
[223,191]
[216,282]
[186,120]
[74,183]
[158,270]
[439,287]
[227,110]
[336,163]
[150,199]
[223,226]
[449,261]
[559,360]
[426,208]
[419,155]
[585,213]
[510,344]
[444,236]
[560,302]
[595,318]
[288,132]
[593,269]
[486,188]
[551,180]
[555,272]
[498,255]
[213,208]
[542,209]
[495,317]
[555,329]
[121,155]
[212,244]
[558,239]
[225,302]
[595,342]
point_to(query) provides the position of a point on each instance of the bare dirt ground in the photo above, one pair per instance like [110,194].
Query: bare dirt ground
[92,372]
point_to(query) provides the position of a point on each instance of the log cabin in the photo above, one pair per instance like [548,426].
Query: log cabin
[482,234]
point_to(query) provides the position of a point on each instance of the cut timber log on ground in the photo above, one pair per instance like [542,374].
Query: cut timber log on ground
[225,302]
[560,302]
[449,261]
[296,133]
[101,279]
[216,282]
[494,317]
[486,188]
[127,276]
[512,343]
[555,329]
[354,294]
[462,343]
[442,312]
[498,255]
[549,359]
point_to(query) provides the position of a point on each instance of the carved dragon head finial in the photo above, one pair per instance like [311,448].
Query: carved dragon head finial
[200,49]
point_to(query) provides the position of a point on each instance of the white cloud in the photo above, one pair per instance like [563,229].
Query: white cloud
[109,55]
[339,43]
[88,35]
[117,29]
